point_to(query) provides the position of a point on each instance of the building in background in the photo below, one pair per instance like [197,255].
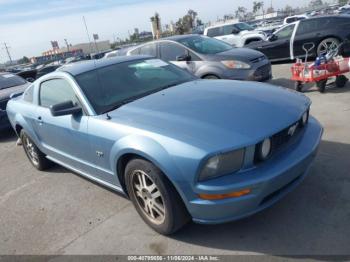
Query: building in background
[82,49]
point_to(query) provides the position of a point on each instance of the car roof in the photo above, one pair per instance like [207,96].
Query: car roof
[89,65]
[177,37]
[224,24]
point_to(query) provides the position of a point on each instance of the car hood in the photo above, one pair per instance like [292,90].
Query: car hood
[217,114]
[5,93]
[241,54]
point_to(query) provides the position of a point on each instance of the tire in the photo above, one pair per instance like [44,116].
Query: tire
[298,86]
[340,81]
[321,85]
[154,197]
[35,156]
[210,77]
[324,46]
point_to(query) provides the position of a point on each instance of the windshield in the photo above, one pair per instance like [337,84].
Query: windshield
[205,45]
[244,26]
[9,80]
[109,87]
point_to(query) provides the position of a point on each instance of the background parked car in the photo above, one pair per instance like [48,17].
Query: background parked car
[9,84]
[325,32]
[235,34]
[209,58]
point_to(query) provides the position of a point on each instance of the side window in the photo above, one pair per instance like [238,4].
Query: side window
[28,94]
[169,51]
[228,29]
[216,31]
[286,32]
[307,26]
[150,49]
[56,91]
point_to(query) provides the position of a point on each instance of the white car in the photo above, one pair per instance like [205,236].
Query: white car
[235,34]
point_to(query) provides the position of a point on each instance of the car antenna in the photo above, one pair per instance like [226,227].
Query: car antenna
[108,116]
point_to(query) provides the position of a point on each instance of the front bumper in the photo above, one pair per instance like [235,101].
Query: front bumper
[4,121]
[258,72]
[269,182]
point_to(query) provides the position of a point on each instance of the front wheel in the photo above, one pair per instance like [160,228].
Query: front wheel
[154,197]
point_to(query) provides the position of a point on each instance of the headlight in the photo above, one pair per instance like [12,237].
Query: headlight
[222,164]
[263,149]
[233,64]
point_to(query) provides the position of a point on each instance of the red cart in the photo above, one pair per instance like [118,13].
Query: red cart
[304,72]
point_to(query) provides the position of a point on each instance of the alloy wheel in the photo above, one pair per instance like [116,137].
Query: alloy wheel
[327,45]
[148,197]
[31,151]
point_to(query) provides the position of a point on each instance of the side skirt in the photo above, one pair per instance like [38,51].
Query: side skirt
[95,179]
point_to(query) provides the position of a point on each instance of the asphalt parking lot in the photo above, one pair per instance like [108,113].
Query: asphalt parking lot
[58,212]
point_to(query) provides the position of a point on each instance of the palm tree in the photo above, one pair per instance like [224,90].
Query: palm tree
[240,12]
[156,23]
[257,6]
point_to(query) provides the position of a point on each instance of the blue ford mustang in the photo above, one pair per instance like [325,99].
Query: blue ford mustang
[179,147]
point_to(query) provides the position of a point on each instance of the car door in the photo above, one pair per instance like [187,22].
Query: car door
[174,53]
[278,45]
[231,35]
[64,138]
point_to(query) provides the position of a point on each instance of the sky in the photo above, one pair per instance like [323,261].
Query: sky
[28,26]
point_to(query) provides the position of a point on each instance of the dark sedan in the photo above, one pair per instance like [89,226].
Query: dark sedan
[325,32]
[9,84]
[208,58]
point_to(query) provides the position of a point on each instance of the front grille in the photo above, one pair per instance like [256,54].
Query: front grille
[263,71]
[283,137]
[280,139]
[258,59]
[3,104]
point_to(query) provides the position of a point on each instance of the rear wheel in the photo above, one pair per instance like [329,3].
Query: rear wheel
[340,81]
[35,156]
[327,45]
[154,197]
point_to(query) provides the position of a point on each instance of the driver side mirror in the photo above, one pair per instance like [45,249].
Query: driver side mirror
[185,57]
[65,108]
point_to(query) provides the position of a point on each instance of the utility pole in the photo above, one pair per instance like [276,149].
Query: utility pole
[65,40]
[8,52]
[88,35]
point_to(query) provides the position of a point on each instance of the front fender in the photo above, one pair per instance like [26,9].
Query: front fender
[174,163]
[212,70]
